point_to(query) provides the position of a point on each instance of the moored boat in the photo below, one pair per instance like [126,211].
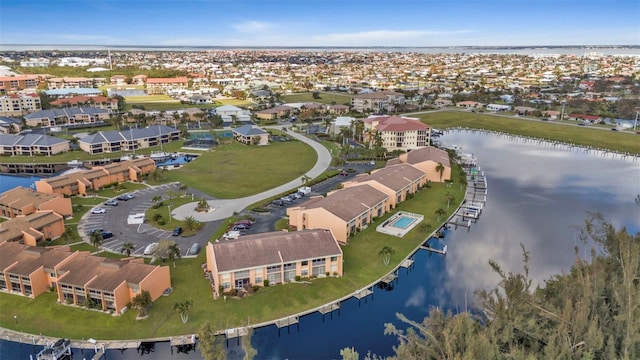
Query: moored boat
[59,350]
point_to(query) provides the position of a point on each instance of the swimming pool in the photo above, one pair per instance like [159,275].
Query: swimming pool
[403,222]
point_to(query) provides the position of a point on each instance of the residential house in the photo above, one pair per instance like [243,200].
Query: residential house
[498,107]
[250,135]
[16,105]
[128,140]
[469,104]
[397,133]
[82,182]
[277,112]
[32,144]
[23,201]
[67,116]
[273,258]
[426,160]
[33,228]
[229,110]
[585,117]
[342,122]
[200,99]
[343,212]
[440,102]
[337,109]
[397,182]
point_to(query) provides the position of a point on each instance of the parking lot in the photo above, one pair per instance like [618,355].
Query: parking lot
[115,220]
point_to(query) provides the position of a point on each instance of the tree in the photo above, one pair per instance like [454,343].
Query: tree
[249,351]
[127,248]
[142,302]
[191,223]
[385,254]
[440,169]
[173,252]
[156,199]
[67,235]
[96,238]
[440,213]
[305,179]
[449,198]
[183,307]
[211,346]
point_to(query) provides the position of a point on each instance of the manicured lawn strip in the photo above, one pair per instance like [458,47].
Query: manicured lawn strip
[362,267]
[120,189]
[237,170]
[168,105]
[81,155]
[325,98]
[619,141]
[234,102]
[164,212]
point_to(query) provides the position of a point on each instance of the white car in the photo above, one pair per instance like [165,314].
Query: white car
[99,211]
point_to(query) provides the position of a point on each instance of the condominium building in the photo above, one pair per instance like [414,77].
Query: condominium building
[19,82]
[376,101]
[273,258]
[32,229]
[163,85]
[75,82]
[130,140]
[397,181]
[16,105]
[67,116]
[397,133]
[427,160]
[32,144]
[101,102]
[23,201]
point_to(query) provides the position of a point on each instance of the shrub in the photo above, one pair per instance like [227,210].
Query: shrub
[158,205]
[260,209]
[220,289]
[162,221]
[255,288]
[265,283]
[327,274]
[297,277]
[233,292]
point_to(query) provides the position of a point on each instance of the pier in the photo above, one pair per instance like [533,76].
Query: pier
[329,309]
[287,322]
[434,250]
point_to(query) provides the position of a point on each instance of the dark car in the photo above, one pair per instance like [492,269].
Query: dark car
[104,234]
[278,202]
[177,231]
[125,197]
[241,227]
[614,129]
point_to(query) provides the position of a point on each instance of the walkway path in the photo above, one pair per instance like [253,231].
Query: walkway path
[226,207]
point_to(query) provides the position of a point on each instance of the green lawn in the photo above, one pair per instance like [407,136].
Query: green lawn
[620,141]
[235,170]
[325,98]
[168,106]
[235,102]
[362,267]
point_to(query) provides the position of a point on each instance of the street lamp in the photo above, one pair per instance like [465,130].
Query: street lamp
[169,206]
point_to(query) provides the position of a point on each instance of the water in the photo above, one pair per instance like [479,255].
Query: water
[403,222]
[8,182]
[537,195]
[178,160]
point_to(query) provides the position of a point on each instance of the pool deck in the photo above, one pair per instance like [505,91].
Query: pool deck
[388,228]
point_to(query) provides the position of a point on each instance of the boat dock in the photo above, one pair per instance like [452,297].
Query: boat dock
[434,250]
[474,200]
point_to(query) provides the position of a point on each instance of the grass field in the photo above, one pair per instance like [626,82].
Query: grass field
[142,99]
[325,98]
[237,170]
[585,136]
[234,102]
[361,267]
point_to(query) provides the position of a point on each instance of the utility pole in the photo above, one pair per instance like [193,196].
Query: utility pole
[562,112]
[635,123]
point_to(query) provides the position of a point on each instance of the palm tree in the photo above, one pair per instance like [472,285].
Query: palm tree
[191,223]
[385,254]
[96,238]
[305,179]
[440,213]
[156,198]
[127,248]
[449,198]
[67,234]
[173,252]
[183,308]
[440,169]
[142,302]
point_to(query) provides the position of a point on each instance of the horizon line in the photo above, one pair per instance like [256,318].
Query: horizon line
[336,46]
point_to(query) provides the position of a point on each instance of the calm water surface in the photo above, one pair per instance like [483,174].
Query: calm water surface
[537,196]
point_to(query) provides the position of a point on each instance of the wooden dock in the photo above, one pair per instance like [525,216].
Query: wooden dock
[389,279]
[406,263]
[362,294]
[288,321]
[182,340]
[235,333]
[329,308]
[434,250]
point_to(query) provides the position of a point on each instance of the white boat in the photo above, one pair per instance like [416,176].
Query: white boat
[61,349]
[75,163]
[160,156]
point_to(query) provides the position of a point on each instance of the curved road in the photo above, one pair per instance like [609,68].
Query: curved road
[223,209]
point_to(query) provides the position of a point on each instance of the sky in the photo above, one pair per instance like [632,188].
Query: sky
[315,23]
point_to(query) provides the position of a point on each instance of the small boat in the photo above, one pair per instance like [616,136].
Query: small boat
[160,156]
[59,350]
[75,163]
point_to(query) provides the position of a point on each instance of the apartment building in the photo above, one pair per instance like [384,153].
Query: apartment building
[397,182]
[10,125]
[10,84]
[32,229]
[250,135]
[163,85]
[277,112]
[32,145]
[23,201]
[78,277]
[426,160]
[397,133]
[101,102]
[376,101]
[17,105]
[273,258]
[74,82]
[342,212]
[67,116]
[113,141]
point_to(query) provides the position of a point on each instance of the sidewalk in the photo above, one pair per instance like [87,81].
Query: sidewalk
[225,208]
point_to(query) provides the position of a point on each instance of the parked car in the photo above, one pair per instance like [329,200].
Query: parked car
[286,199]
[241,227]
[614,129]
[177,231]
[103,233]
[278,202]
[98,211]
[125,197]
[194,249]
[111,202]
[243,221]
[300,193]
[89,232]
[295,195]
[343,173]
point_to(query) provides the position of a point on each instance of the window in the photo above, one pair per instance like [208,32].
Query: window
[305,263]
[226,285]
[273,269]
[241,274]
[334,258]
[259,280]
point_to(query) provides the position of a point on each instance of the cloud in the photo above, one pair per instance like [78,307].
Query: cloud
[416,299]
[251,26]
[381,37]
